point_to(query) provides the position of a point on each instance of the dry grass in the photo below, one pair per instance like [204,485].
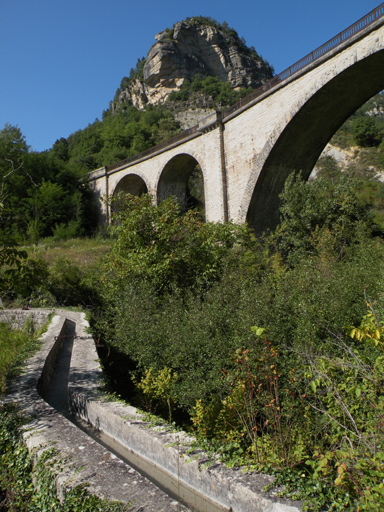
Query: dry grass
[83,252]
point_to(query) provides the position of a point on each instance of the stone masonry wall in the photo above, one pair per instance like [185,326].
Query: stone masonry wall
[16,318]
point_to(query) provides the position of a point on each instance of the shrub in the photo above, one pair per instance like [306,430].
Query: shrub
[66,231]
[366,131]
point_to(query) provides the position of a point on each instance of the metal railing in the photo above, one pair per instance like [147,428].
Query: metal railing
[364,22]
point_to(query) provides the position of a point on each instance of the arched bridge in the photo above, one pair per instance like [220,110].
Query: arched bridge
[247,151]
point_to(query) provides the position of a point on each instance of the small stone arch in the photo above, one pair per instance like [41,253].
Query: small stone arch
[183,177]
[131,184]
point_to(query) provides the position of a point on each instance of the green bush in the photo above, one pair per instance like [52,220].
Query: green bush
[66,231]
[12,343]
[366,131]
[309,210]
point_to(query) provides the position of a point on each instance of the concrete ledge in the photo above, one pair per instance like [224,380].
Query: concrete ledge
[97,173]
[231,489]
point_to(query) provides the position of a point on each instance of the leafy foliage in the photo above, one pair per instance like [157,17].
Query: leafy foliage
[310,210]
[220,93]
[301,398]
[11,343]
[38,192]
[126,133]
[158,244]
[158,386]
[366,131]
[365,126]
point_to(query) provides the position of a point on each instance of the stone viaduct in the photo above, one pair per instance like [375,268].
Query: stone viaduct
[247,151]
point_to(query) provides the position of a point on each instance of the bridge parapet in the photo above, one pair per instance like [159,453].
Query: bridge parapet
[97,173]
[210,122]
[246,152]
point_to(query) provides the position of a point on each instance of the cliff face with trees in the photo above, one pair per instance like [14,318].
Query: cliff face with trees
[196,46]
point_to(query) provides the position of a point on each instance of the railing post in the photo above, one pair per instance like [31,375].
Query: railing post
[224,181]
[108,212]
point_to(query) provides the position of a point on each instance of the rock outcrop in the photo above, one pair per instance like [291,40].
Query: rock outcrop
[189,49]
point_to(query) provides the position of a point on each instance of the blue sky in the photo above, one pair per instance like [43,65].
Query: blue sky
[61,61]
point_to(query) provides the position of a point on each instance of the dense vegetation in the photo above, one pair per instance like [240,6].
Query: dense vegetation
[220,93]
[15,346]
[40,195]
[365,127]
[42,192]
[269,348]
[251,340]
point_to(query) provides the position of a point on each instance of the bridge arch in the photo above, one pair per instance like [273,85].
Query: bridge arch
[131,184]
[175,180]
[297,145]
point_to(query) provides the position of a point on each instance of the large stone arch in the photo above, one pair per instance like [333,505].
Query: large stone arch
[299,145]
[174,180]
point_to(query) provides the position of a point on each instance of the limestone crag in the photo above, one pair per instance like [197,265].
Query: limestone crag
[189,49]
[135,94]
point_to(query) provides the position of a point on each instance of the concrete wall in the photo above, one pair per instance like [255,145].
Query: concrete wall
[80,460]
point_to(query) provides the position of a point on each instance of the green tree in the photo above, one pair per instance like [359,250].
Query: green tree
[47,204]
[60,149]
[310,208]
[13,145]
[160,245]
[366,131]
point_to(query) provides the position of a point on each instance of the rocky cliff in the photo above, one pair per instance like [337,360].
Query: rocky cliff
[191,48]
